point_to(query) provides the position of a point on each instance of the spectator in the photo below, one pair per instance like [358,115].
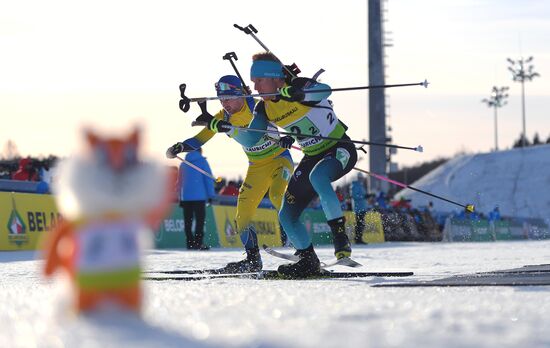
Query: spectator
[381,200]
[231,189]
[26,171]
[195,190]
[430,208]
[402,204]
[359,199]
[494,215]
[341,198]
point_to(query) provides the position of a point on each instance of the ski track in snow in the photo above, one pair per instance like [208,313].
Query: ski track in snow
[308,313]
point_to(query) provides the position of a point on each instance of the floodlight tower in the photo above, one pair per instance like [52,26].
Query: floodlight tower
[521,74]
[497,100]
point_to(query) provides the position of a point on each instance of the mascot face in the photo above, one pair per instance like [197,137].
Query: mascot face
[117,154]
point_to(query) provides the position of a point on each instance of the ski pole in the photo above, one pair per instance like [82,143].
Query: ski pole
[185,103]
[218,179]
[468,207]
[418,148]
[424,84]
[250,30]
[229,56]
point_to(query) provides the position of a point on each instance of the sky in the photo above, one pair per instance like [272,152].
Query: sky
[111,65]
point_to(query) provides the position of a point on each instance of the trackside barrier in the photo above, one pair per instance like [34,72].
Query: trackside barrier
[457,230]
[220,228]
[24,218]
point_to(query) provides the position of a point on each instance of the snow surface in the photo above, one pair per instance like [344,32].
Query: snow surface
[285,313]
[516,180]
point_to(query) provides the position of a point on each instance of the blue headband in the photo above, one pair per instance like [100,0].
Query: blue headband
[266,68]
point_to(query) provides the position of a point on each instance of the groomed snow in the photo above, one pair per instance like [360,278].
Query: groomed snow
[314,313]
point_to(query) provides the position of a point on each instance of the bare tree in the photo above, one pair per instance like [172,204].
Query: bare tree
[10,150]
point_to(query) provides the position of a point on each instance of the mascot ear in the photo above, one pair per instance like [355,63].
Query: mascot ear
[135,136]
[91,138]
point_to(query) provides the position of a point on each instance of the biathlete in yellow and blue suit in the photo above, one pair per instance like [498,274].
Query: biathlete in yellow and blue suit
[270,166]
[324,160]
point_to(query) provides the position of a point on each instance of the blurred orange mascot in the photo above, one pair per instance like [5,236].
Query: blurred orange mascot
[109,201]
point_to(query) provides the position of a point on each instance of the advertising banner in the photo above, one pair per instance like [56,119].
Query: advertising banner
[316,225]
[481,231]
[24,218]
[457,230]
[171,234]
[502,230]
[374,230]
[265,223]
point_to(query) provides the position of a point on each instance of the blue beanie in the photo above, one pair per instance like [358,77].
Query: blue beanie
[229,85]
[266,68]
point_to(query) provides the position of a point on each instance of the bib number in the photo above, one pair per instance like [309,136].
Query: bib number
[305,127]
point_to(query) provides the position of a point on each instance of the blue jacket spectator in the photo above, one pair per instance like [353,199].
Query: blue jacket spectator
[359,194]
[195,186]
[494,215]
[381,200]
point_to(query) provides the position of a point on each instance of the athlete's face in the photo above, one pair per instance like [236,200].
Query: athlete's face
[232,105]
[267,85]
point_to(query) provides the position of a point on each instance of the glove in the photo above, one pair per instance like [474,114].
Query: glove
[286,142]
[212,123]
[219,126]
[173,150]
[292,94]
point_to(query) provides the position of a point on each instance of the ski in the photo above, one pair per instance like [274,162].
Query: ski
[345,261]
[274,275]
[193,271]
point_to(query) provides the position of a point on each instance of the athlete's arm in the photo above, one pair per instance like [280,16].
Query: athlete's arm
[307,84]
[259,121]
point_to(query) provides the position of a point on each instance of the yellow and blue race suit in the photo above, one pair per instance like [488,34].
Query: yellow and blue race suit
[270,168]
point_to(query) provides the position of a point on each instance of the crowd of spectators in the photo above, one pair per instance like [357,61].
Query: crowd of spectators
[29,169]
[400,219]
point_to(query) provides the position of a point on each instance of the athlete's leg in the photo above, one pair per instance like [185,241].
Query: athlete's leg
[251,193]
[334,165]
[253,189]
[282,170]
[297,196]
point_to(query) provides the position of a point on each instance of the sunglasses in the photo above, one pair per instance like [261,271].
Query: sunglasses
[224,86]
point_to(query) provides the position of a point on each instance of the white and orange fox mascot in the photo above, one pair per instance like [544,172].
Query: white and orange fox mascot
[108,199]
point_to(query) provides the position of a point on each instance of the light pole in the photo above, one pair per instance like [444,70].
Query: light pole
[497,100]
[521,74]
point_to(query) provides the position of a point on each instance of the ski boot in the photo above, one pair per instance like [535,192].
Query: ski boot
[252,263]
[307,266]
[342,246]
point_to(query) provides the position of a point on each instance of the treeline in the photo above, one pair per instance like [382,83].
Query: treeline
[536,141]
